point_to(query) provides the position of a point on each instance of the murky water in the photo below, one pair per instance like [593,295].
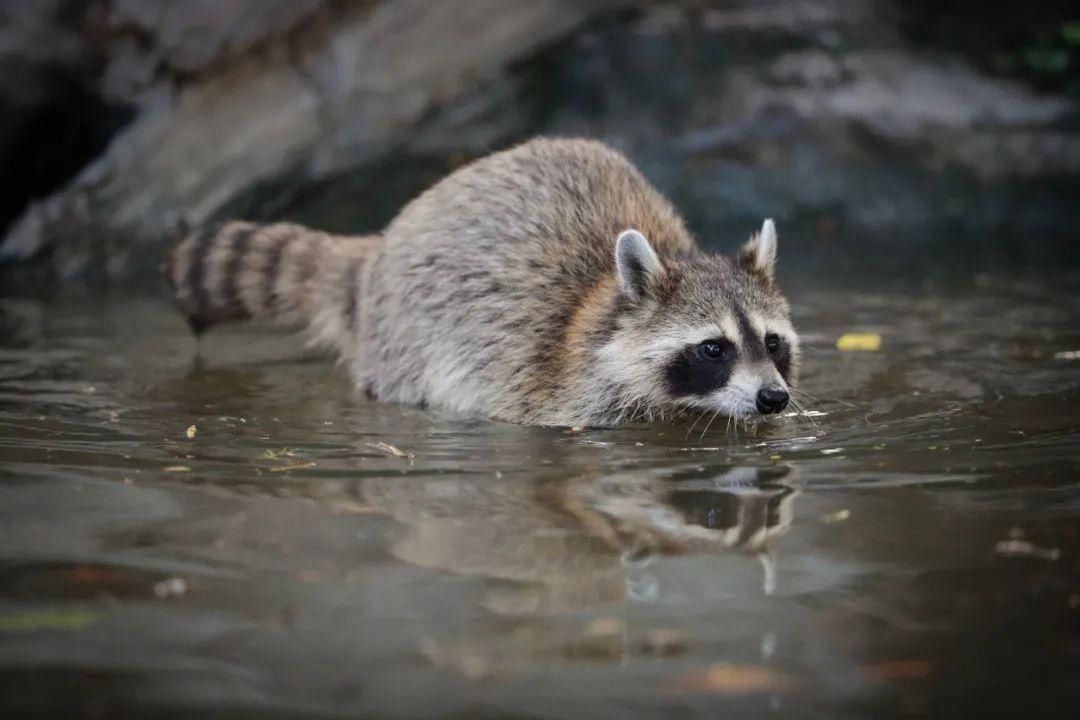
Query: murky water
[912,547]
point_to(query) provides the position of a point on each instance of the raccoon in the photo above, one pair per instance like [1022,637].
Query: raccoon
[548,284]
[568,543]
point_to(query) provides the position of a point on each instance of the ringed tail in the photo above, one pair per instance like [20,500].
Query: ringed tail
[283,274]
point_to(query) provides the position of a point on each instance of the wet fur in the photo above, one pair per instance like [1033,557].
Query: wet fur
[497,292]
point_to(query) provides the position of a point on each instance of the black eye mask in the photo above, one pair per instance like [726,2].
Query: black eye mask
[695,372]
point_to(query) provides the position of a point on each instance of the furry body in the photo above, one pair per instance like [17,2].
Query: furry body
[512,289]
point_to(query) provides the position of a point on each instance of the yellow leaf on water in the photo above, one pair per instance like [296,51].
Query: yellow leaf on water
[859,342]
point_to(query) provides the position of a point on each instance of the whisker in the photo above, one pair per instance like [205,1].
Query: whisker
[707,426]
[800,412]
[703,414]
[795,392]
[819,401]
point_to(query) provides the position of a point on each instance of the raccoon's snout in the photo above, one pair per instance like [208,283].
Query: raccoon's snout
[771,399]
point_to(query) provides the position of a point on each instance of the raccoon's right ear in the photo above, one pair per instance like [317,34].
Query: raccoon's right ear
[639,267]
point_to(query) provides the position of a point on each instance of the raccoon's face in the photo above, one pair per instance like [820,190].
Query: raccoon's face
[706,333]
[742,508]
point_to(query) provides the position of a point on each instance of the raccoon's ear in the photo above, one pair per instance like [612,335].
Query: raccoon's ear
[639,267]
[759,254]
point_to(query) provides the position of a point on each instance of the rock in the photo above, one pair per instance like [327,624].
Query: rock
[828,116]
[820,112]
[307,93]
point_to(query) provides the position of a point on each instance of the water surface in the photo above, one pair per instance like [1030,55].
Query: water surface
[908,548]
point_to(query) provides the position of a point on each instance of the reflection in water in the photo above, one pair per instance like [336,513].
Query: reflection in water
[580,574]
[564,545]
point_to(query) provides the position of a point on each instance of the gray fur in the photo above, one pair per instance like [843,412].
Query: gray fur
[637,263]
[505,290]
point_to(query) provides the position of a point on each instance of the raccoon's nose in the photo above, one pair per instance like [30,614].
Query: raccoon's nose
[771,399]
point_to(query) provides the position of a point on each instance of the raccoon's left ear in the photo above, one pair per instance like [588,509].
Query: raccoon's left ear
[759,254]
[639,267]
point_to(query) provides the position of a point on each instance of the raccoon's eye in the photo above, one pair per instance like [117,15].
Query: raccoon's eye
[772,342]
[713,349]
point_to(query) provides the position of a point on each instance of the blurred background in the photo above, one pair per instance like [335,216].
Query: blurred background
[893,138]
[222,528]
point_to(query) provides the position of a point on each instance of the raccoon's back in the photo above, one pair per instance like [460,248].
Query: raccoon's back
[544,210]
[479,276]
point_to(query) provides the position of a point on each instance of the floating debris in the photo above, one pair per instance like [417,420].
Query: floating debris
[898,670]
[296,466]
[35,620]
[176,468]
[173,587]
[859,342]
[470,665]
[604,626]
[729,679]
[1023,548]
[768,645]
[1067,355]
[275,454]
[389,449]
[836,517]
[832,451]
[191,432]
[665,643]
[114,416]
